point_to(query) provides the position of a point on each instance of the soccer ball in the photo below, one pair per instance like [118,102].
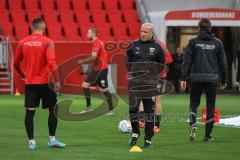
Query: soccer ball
[125,126]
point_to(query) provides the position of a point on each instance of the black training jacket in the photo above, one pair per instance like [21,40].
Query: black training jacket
[145,55]
[204,59]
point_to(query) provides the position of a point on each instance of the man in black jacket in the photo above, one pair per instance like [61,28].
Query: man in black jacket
[145,61]
[205,64]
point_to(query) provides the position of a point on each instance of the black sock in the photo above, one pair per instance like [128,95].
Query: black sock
[52,122]
[87,94]
[109,99]
[141,116]
[29,123]
[157,120]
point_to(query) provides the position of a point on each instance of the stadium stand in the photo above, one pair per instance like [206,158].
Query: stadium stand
[115,19]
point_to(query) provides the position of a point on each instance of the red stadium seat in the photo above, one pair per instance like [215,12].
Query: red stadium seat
[6,27]
[63,4]
[18,15]
[115,16]
[98,11]
[4,16]
[79,5]
[47,11]
[111,4]
[106,38]
[16,4]
[99,16]
[135,37]
[120,29]
[31,14]
[84,27]
[84,19]
[55,31]
[134,29]
[21,31]
[126,4]
[71,31]
[12,38]
[51,18]
[47,4]
[104,29]
[74,38]
[83,16]
[122,38]
[3,4]
[95,4]
[31,4]
[17,12]
[130,16]
[67,16]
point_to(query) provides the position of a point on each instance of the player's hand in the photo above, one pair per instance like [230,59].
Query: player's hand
[223,85]
[57,87]
[183,84]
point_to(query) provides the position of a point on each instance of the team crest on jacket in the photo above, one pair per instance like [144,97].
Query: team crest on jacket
[151,51]
[137,50]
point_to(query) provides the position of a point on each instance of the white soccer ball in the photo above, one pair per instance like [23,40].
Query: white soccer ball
[125,126]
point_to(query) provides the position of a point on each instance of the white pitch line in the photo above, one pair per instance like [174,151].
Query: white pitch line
[220,125]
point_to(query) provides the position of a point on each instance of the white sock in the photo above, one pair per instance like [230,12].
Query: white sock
[32,141]
[51,138]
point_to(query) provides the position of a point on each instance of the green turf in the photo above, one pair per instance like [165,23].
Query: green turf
[99,139]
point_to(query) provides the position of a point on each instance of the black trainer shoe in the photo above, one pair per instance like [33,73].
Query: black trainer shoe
[134,139]
[193,131]
[147,144]
[208,139]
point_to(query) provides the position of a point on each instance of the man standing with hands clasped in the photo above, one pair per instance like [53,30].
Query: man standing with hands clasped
[205,64]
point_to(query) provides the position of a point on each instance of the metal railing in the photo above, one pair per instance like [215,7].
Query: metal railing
[6,60]
[10,62]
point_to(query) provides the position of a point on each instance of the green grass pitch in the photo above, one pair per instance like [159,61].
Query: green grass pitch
[99,139]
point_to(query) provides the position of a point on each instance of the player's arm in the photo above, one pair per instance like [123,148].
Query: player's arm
[18,59]
[187,63]
[222,63]
[52,65]
[93,57]
[129,57]
[161,59]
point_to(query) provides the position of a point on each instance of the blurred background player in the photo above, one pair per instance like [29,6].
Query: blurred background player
[203,61]
[98,62]
[37,52]
[158,105]
[141,54]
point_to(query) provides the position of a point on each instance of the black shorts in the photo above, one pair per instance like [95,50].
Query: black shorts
[99,78]
[36,92]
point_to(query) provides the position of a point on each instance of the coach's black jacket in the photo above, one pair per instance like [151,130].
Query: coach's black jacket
[144,53]
[205,59]
[145,60]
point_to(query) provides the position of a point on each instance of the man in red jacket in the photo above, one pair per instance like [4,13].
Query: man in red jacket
[158,108]
[37,53]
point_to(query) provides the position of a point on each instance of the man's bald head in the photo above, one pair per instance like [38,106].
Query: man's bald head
[147,31]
